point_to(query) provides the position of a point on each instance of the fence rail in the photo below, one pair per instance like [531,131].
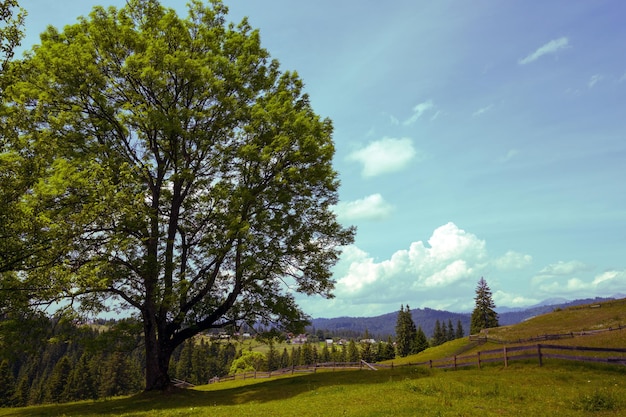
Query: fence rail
[545,337]
[293,370]
[537,351]
[540,352]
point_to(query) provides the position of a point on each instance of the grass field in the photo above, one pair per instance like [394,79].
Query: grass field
[522,389]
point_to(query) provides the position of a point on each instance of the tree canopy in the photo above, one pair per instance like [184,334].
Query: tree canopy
[177,172]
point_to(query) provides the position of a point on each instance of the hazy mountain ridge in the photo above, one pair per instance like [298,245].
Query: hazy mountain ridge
[384,325]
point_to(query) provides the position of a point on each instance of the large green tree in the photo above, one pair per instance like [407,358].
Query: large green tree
[484,316]
[186,176]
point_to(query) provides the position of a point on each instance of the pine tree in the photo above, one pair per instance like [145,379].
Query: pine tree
[20,397]
[450,331]
[7,384]
[81,384]
[484,315]
[296,356]
[273,360]
[405,332]
[308,357]
[342,354]
[184,367]
[367,353]
[390,350]
[460,333]
[353,352]
[325,355]
[121,376]
[285,361]
[439,336]
[200,363]
[421,341]
[58,381]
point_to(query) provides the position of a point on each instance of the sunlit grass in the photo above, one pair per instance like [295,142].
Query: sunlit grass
[524,389]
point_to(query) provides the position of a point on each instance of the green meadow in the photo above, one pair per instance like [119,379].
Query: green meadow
[524,389]
[558,388]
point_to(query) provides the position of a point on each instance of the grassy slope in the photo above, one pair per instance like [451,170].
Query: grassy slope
[564,389]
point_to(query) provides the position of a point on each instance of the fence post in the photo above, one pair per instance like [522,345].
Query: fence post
[430,363]
[478,355]
[454,362]
[506,359]
[539,354]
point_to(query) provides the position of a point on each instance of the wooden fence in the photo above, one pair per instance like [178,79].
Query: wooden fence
[544,337]
[293,370]
[540,352]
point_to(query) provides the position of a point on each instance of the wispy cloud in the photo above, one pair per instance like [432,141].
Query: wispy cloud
[551,47]
[596,78]
[607,283]
[418,111]
[383,156]
[509,155]
[372,207]
[482,110]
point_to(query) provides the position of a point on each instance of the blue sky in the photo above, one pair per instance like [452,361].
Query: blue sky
[482,138]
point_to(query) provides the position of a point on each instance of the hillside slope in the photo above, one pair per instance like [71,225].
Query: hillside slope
[603,325]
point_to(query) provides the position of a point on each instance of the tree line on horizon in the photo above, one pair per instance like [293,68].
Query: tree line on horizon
[88,362]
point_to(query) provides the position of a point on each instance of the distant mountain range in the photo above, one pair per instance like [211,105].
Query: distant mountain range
[382,326]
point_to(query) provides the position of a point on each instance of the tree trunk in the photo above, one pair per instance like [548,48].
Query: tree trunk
[158,354]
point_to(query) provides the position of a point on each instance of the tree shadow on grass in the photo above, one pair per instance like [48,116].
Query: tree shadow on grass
[255,391]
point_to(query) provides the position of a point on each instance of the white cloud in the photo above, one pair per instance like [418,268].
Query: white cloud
[372,207]
[551,47]
[418,111]
[513,260]
[503,298]
[596,78]
[563,268]
[482,110]
[622,78]
[574,279]
[445,269]
[385,155]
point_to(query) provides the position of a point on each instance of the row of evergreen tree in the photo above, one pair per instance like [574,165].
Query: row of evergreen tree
[411,339]
[86,363]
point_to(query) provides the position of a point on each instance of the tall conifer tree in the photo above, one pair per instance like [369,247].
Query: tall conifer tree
[460,333]
[484,315]
[421,341]
[405,332]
